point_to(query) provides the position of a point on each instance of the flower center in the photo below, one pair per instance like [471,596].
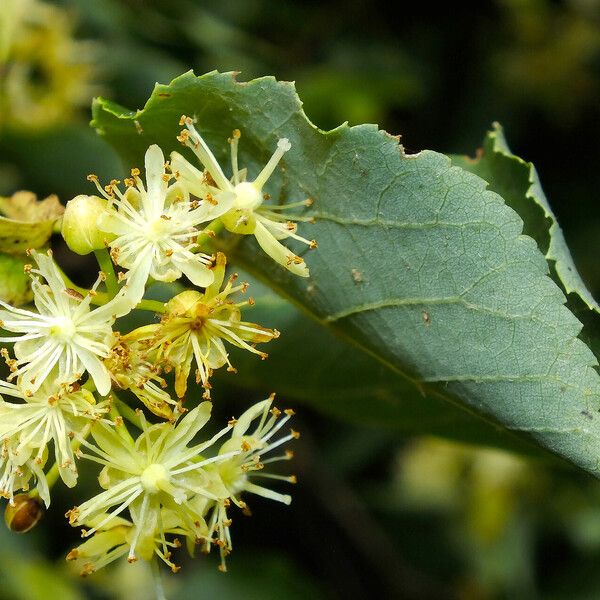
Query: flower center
[233,476]
[197,324]
[159,229]
[154,478]
[247,196]
[200,314]
[63,328]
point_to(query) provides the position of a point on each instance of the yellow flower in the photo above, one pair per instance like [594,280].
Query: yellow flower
[154,227]
[18,465]
[247,214]
[51,414]
[156,471]
[131,371]
[45,73]
[64,332]
[240,472]
[194,328]
[114,538]
[170,487]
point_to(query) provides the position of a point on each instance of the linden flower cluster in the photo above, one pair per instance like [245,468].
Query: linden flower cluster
[67,401]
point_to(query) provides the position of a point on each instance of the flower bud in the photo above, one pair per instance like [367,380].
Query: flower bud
[24,514]
[80,224]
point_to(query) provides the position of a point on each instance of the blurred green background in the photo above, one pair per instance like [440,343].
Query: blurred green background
[378,512]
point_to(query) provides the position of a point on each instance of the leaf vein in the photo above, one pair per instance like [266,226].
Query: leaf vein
[392,224]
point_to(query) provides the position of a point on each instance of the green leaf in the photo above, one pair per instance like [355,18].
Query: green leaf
[37,580]
[15,285]
[418,264]
[379,397]
[518,183]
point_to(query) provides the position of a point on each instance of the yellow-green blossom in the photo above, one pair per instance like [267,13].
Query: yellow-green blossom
[19,464]
[80,224]
[158,470]
[130,370]
[171,488]
[65,333]
[113,540]
[52,413]
[194,327]
[240,472]
[247,214]
[154,227]
[45,73]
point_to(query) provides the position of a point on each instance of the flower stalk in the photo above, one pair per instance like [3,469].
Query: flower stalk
[106,266]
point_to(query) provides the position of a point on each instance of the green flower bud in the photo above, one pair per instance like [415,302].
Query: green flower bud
[24,514]
[80,224]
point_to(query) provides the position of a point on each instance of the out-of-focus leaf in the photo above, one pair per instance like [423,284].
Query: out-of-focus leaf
[260,577]
[57,160]
[418,263]
[27,221]
[25,576]
[36,579]
[362,81]
[14,282]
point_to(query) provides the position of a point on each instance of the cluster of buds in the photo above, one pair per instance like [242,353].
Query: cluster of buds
[59,407]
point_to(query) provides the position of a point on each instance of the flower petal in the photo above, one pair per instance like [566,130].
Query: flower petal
[243,423]
[278,252]
[95,367]
[198,273]
[188,427]
[137,276]
[154,198]
[191,177]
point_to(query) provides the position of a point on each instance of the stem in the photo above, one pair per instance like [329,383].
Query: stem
[106,266]
[158,585]
[102,298]
[127,412]
[214,227]
[152,305]
[52,475]
[120,427]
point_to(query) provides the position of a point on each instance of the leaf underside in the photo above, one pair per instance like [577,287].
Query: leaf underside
[418,263]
